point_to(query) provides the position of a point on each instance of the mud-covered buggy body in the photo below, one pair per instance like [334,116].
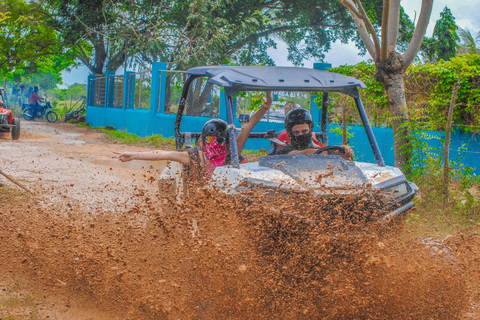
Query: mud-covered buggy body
[324,176]
[8,123]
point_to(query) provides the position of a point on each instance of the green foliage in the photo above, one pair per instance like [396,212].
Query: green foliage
[428,92]
[425,168]
[27,45]
[339,132]
[470,44]
[443,44]
[189,33]
[374,97]
[431,88]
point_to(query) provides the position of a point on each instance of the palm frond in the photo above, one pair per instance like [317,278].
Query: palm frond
[469,43]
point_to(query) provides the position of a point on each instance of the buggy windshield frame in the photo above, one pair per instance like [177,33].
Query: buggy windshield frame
[235,79]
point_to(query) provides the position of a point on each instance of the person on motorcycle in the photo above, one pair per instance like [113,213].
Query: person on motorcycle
[35,98]
[213,150]
[299,136]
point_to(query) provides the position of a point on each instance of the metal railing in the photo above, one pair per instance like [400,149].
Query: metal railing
[142,82]
[99,91]
[118,88]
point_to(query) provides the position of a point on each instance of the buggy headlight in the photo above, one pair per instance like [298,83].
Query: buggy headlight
[396,191]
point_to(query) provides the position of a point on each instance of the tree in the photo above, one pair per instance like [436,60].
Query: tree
[27,45]
[443,44]
[186,33]
[86,26]
[391,65]
[470,44]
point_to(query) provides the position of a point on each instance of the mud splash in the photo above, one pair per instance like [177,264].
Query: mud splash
[218,256]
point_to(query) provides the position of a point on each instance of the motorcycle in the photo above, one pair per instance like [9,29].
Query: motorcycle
[31,112]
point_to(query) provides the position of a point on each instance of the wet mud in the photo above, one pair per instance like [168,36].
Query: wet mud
[130,252]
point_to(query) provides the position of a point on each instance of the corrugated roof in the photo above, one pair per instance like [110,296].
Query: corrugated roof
[235,79]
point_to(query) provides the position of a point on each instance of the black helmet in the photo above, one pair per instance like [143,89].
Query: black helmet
[293,118]
[215,128]
[298,116]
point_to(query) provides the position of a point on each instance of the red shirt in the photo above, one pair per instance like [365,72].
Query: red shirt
[34,97]
[285,138]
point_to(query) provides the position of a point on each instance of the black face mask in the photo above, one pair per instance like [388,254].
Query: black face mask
[301,142]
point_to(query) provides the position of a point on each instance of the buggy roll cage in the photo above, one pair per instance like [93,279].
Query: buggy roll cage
[235,79]
[3,94]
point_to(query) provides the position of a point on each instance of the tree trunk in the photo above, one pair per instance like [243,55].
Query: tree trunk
[168,91]
[398,110]
[447,141]
[390,73]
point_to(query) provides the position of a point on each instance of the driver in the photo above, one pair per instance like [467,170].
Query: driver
[35,98]
[212,151]
[300,138]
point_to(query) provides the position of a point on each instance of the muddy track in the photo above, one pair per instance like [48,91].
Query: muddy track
[98,241]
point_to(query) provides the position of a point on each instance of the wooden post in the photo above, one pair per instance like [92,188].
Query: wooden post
[447,140]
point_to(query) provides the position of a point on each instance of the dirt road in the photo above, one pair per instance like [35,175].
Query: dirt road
[64,163]
[98,241]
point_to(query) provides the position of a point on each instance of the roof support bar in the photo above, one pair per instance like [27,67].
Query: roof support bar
[323,125]
[231,131]
[369,131]
[181,107]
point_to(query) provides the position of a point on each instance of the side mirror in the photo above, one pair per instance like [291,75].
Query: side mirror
[270,134]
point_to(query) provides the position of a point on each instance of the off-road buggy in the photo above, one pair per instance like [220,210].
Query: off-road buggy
[327,176]
[8,123]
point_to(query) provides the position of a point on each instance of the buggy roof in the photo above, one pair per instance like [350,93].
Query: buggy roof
[236,79]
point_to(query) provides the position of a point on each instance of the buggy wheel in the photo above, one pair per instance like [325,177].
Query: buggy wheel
[52,116]
[28,114]
[16,129]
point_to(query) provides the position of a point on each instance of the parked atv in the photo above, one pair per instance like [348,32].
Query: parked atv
[30,112]
[8,123]
[328,177]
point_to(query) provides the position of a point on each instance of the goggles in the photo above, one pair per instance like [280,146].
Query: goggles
[212,139]
[297,133]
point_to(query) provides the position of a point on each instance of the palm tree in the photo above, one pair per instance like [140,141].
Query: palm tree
[470,44]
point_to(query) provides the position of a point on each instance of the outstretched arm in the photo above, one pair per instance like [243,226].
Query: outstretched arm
[178,156]
[254,119]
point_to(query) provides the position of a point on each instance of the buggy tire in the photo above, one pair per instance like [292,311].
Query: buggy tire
[81,119]
[28,114]
[51,116]
[16,129]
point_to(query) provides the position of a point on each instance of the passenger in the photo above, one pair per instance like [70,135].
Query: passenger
[299,135]
[289,106]
[34,98]
[212,151]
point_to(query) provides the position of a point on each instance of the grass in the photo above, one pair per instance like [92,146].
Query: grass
[433,218]
[122,137]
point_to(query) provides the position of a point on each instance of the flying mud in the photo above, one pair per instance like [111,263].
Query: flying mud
[109,247]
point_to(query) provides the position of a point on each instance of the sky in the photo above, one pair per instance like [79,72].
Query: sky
[466,14]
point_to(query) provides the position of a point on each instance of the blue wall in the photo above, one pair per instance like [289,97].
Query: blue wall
[145,123]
